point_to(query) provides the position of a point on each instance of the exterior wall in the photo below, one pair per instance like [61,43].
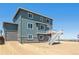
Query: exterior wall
[22,20]
[18,21]
[23,31]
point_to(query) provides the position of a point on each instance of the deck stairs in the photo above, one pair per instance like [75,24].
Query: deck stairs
[55,38]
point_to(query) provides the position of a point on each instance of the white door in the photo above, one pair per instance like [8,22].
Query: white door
[11,36]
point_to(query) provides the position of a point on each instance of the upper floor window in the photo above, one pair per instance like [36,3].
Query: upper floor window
[30,15]
[41,18]
[42,27]
[51,22]
[47,28]
[47,20]
[29,25]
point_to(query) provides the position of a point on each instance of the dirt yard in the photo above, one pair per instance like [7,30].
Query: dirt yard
[15,48]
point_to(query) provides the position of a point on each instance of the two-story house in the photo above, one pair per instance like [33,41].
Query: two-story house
[28,26]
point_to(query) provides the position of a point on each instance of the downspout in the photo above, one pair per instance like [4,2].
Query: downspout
[21,30]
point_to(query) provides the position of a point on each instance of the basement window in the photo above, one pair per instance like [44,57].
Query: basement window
[30,36]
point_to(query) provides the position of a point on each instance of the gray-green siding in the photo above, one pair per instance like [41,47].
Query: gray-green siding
[22,20]
[23,30]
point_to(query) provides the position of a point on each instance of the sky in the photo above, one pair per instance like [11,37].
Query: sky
[65,16]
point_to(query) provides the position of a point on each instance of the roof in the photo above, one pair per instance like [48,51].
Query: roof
[8,23]
[25,10]
[10,27]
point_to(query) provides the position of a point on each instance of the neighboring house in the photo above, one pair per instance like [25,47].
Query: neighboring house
[28,26]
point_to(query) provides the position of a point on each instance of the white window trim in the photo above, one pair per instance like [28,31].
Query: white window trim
[30,38]
[27,26]
[30,17]
[41,18]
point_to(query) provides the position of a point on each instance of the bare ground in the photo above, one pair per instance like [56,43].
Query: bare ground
[15,48]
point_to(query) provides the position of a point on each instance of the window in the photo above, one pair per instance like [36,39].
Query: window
[47,28]
[30,36]
[30,25]
[47,20]
[41,18]
[30,15]
[42,27]
[51,21]
[37,24]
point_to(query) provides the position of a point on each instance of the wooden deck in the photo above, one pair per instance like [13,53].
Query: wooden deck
[15,48]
